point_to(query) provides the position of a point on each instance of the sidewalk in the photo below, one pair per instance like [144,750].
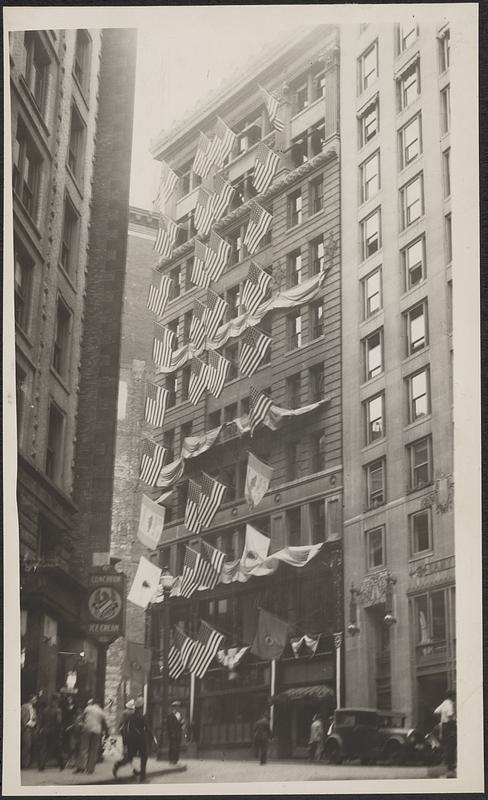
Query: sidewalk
[52,776]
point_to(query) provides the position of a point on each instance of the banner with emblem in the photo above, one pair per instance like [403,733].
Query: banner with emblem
[271,636]
[256,548]
[258,478]
[151,522]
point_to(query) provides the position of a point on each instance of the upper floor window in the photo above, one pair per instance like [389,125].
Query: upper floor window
[294,329]
[174,327]
[375,483]
[316,195]
[318,86]
[233,298]
[409,85]
[317,382]
[169,444]
[407,34]
[373,354]
[316,319]
[375,418]
[420,463]
[293,527]
[171,384]
[369,122]
[294,265]
[418,395]
[372,293]
[420,532]
[293,390]
[36,68]
[446,110]
[368,67]
[446,168]
[249,133]
[301,97]
[69,241]
[416,325]
[317,521]
[185,382]
[185,431]
[371,234]
[27,167]
[294,205]
[23,272]
[375,548]
[444,51]
[213,420]
[230,412]
[21,390]
[317,256]
[54,447]
[188,180]
[81,65]
[448,237]
[370,177]
[412,201]
[234,238]
[186,326]
[231,353]
[292,466]
[188,272]
[176,275]
[410,138]
[62,339]
[76,147]
[317,451]
[413,257]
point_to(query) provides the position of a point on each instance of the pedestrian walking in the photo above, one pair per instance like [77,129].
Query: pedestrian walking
[136,732]
[28,724]
[68,716]
[316,738]
[174,727]
[49,734]
[93,724]
[447,713]
[262,735]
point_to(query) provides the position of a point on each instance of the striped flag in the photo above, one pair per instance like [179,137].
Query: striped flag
[180,653]
[213,561]
[191,510]
[222,143]
[218,252]
[216,308]
[159,291]
[202,164]
[198,380]
[197,326]
[211,496]
[166,238]
[151,461]
[218,369]
[190,579]
[255,288]
[155,404]
[254,345]
[259,223]
[204,213]
[272,105]
[167,184]
[207,643]
[265,167]
[259,407]
[223,194]
[199,276]
[162,345]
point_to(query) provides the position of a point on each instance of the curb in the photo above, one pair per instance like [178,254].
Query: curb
[131,778]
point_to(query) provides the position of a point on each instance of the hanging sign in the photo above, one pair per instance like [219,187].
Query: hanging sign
[105,604]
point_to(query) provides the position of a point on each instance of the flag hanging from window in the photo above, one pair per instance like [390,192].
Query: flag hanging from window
[155,404]
[199,275]
[222,143]
[202,164]
[162,345]
[190,579]
[265,167]
[272,106]
[167,184]
[159,291]
[259,223]
[218,369]
[191,510]
[259,407]
[255,287]
[152,458]
[212,561]
[198,380]
[271,636]
[197,326]
[151,522]
[206,646]
[211,496]
[166,238]
[258,478]
[216,308]
[203,216]
[218,252]
[223,191]
[180,653]
[254,345]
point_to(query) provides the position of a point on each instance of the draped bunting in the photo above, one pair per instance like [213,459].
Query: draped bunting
[293,556]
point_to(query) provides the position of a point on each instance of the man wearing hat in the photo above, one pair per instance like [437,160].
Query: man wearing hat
[174,726]
[134,736]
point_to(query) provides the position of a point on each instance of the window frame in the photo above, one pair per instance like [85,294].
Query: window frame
[403,86]
[365,192]
[54,458]
[295,336]
[364,80]
[370,112]
[406,206]
[316,195]
[369,374]
[316,378]
[37,66]
[68,251]
[27,185]
[416,552]
[444,51]
[291,513]
[408,270]
[294,268]
[412,399]
[417,485]
[402,44]
[316,320]
[404,160]
[369,421]
[411,344]
[370,567]
[82,60]
[367,311]
[365,254]
[445,95]
[292,449]
[446,172]
[61,350]
[22,258]
[317,451]
[376,465]
[294,209]
[75,156]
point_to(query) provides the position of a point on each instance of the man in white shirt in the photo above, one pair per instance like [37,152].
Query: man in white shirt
[28,723]
[447,712]
[93,724]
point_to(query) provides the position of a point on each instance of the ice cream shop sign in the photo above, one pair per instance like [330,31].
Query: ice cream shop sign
[105,604]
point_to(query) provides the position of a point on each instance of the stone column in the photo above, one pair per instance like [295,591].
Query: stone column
[331,64]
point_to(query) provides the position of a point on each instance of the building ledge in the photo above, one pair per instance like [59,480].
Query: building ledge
[32,468]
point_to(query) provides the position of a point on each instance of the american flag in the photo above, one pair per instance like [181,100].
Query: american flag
[162,345]
[204,213]
[191,510]
[265,167]
[207,644]
[198,380]
[167,184]
[197,326]
[255,288]
[199,276]
[190,579]
[216,308]
[155,405]
[218,368]
[166,238]
[211,496]
[222,143]
[222,197]
[213,561]
[259,407]
[272,105]
[253,348]
[259,222]
[202,164]
[180,653]
[159,290]
[218,252]
[152,458]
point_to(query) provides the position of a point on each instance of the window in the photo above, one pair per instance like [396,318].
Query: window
[407,34]
[372,293]
[410,141]
[444,51]
[370,234]
[228,477]
[318,86]
[214,419]
[36,68]
[81,66]
[189,180]
[446,110]
[409,85]
[373,354]
[317,382]
[27,166]
[334,518]
[233,298]
[412,201]
[430,615]
[236,250]
[317,521]
[23,271]
[420,532]
[266,327]
[185,431]
[171,384]
[418,395]
[317,451]
[316,195]
[375,484]
[449,306]
[420,460]
[294,264]
[293,390]
[370,177]
[375,548]
[76,147]
[416,322]
[375,418]
[293,527]
[186,326]
[294,209]
[316,319]
[230,412]
[250,133]
[369,123]
[244,407]
[176,276]
[231,353]
[299,151]
[21,390]
[448,235]
[368,67]
[446,168]
[413,256]
[301,98]
[54,455]
[169,445]
[62,335]
[185,382]
[317,256]
[294,321]
[69,241]
[181,498]
[188,271]
[291,461]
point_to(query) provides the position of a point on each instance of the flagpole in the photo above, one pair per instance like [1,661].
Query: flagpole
[338,649]
[192,698]
[273,687]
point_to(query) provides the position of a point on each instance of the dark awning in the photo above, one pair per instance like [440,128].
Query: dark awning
[319,692]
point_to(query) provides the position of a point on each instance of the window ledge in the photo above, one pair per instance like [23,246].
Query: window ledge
[413,356]
[412,490]
[375,570]
[60,380]
[418,557]
[67,276]
[295,227]
[418,422]
[368,447]
[369,259]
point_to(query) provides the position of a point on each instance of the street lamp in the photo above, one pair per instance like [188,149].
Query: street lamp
[166,582]
[389,619]
[353,627]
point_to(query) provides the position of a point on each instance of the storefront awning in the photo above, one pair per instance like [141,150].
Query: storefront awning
[317,692]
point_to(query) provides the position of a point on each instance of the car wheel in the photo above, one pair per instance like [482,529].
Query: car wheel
[332,752]
[394,754]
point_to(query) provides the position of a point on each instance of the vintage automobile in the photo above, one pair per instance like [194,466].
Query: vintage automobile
[371,736]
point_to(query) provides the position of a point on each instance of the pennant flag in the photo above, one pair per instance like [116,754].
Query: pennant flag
[167,184]
[202,164]
[216,308]
[212,562]
[197,326]
[192,523]
[222,143]
[255,287]
[271,636]
[155,404]
[218,252]
[265,167]
[256,549]
[309,642]
[180,653]
[218,369]
[190,579]
[259,223]
[210,499]
[199,275]
[151,522]
[272,106]
[223,191]
[162,345]
[206,646]
[145,583]
[151,461]
[258,478]
[198,380]
[254,345]
[136,664]
[231,658]
[259,407]
[159,292]
[203,216]
[166,238]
